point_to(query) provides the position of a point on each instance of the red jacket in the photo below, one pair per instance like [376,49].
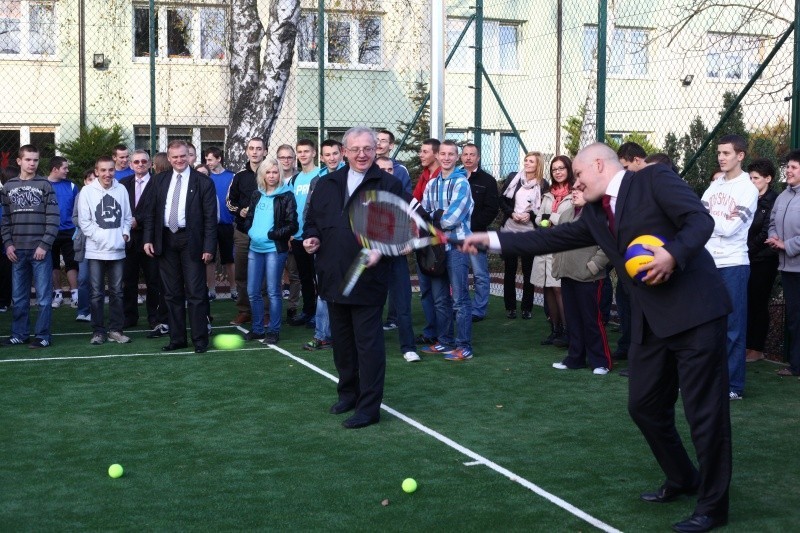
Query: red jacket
[424,178]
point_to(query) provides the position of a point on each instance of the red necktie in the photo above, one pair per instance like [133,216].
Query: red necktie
[609,212]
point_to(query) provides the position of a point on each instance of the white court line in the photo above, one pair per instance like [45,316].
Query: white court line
[88,332]
[479,459]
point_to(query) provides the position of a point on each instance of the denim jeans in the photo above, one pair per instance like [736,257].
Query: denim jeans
[735,279]
[322,321]
[259,266]
[400,294]
[84,288]
[99,270]
[431,329]
[457,280]
[40,273]
[480,275]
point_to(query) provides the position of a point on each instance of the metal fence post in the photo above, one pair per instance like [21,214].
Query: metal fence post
[602,39]
[479,73]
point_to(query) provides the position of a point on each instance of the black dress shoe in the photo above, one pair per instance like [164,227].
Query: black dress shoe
[342,406]
[666,494]
[526,315]
[697,523]
[511,314]
[200,349]
[174,346]
[359,421]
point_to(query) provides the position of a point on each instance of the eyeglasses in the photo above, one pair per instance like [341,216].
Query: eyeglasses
[366,150]
[141,161]
[556,169]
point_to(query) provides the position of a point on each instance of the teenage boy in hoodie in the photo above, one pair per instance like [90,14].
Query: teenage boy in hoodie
[731,200]
[30,225]
[66,191]
[448,199]
[104,215]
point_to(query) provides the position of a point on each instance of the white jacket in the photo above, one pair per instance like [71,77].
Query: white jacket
[104,216]
[732,204]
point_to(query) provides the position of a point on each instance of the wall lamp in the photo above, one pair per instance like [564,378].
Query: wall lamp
[687,80]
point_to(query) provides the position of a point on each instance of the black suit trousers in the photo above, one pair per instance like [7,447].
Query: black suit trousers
[359,354]
[184,281]
[135,261]
[696,362]
[305,267]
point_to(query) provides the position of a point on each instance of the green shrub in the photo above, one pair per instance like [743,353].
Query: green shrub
[83,151]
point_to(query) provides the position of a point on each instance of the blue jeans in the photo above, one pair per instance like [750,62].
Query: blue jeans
[735,279]
[400,294]
[84,288]
[259,265]
[322,321]
[457,280]
[428,308]
[480,275]
[23,272]
[99,270]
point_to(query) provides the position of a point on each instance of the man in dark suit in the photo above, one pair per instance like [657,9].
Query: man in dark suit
[140,187]
[181,230]
[678,318]
[359,351]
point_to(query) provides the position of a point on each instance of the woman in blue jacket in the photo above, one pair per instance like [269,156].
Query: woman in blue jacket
[270,223]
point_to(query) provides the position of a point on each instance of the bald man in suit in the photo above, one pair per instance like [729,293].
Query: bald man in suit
[678,318]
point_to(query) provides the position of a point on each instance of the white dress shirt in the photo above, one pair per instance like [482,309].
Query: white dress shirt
[182,198]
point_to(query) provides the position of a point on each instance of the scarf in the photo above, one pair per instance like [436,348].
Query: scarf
[559,192]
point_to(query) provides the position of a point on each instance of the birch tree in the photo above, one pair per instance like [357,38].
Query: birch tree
[258,76]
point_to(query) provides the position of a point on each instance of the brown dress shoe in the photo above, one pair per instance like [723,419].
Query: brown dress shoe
[241,318]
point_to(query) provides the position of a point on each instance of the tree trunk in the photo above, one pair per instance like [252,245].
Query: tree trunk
[257,89]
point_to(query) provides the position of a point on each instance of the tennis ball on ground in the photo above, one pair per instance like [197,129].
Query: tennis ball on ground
[115,471]
[228,341]
[409,485]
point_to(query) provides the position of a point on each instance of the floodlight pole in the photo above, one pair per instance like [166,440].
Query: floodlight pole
[437,68]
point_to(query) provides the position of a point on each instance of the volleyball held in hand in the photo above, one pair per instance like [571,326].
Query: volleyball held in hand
[637,256]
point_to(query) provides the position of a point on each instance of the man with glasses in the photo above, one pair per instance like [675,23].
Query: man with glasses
[358,346]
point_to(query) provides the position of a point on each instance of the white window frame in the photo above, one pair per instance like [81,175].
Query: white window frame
[730,50]
[196,42]
[354,27]
[25,32]
[464,58]
[630,41]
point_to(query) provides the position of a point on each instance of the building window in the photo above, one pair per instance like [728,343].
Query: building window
[27,28]
[627,57]
[500,40]
[201,138]
[733,57]
[42,137]
[193,32]
[351,41]
[211,137]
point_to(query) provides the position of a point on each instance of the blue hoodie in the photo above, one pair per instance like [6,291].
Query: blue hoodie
[264,221]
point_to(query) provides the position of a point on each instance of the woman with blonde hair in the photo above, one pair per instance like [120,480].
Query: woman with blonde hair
[270,223]
[520,200]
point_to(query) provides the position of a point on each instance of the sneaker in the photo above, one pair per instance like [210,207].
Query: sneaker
[459,354]
[285,294]
[3,308]
[735,396]
[39,343]
[271,338]
[83,318]
[600,371]
[560,366]
[436,349]
[158,331]
[14,341]
[316,344]
[118,336]
[234,295]
[140,299]
[58,299]
[299,319]
[389,325]
[411,357]
[253,336]
[73,299]
[212,296]
[98,338]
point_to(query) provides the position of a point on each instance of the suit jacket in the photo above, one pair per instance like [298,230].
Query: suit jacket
[653,201]
[143,209]
[201,213]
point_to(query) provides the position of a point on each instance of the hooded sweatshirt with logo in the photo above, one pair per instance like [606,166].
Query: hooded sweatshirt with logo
[104,216]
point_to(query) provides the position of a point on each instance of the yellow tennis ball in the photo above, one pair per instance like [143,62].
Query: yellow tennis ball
[115,471]
[228,341]
[409,485]
[545,223]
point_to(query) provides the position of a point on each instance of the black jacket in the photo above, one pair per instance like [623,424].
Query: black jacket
[328,219]
[757,234]
[240,192]
[486,197]
[145,205]
[284,208]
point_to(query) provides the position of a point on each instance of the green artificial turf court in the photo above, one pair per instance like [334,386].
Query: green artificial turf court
[242,440]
